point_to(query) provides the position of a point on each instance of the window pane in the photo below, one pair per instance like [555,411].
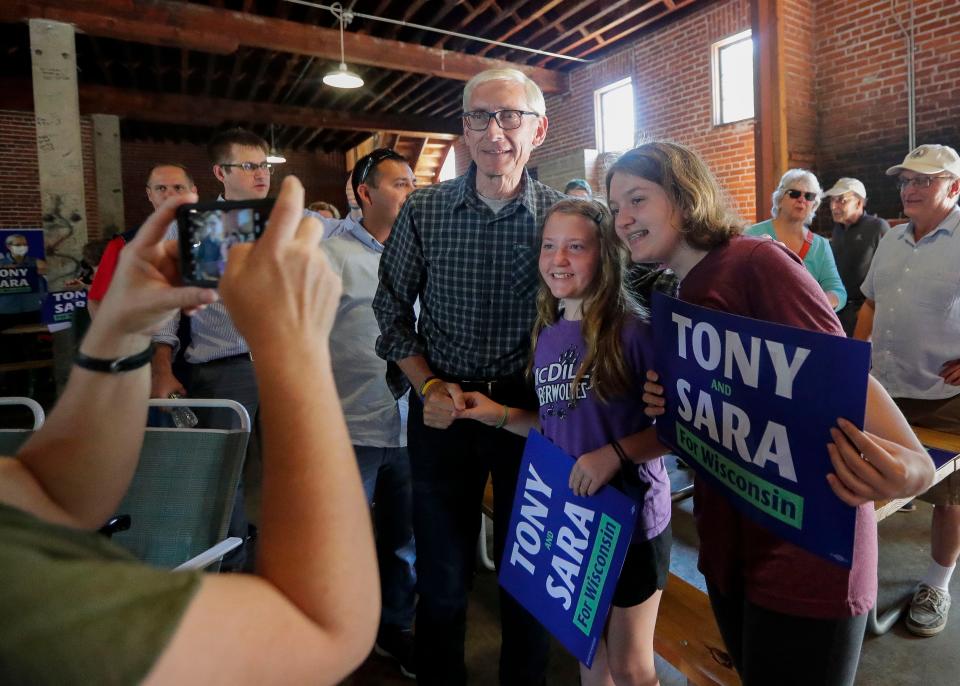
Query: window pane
[616,116]
[736,81]
[449,168]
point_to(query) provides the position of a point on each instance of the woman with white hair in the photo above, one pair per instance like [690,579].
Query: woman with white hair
[795,203]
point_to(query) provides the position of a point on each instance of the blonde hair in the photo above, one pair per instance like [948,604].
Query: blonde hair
[606,305]
[708,221]
[532,92]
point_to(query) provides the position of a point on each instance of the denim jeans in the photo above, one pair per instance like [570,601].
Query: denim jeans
[450,468]
[386,481]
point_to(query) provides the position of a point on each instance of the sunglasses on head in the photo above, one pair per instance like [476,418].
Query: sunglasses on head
[808,195]
[373,159]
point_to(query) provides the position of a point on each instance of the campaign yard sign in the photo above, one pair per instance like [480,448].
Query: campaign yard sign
[59,306]
[564,553]
[750,405]
[21,256]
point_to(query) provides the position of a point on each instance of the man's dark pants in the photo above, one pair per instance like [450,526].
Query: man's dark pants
[231,378]
[450,468]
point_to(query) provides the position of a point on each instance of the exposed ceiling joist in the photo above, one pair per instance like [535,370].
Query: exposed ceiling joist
[174,108]
[218,31]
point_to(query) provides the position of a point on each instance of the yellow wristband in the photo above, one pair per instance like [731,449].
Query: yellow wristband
[427,385]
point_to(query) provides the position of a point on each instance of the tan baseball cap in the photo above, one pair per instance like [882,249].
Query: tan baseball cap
[848,185]
[929,159]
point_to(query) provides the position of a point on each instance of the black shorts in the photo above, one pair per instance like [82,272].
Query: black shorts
[645,570]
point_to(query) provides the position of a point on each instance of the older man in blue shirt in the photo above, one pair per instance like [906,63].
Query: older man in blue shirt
[912,313]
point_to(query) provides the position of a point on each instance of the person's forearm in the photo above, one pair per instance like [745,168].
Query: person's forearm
[96,429]
[643,446]
[864,327]
[833,299]
[316,541]
[416,369]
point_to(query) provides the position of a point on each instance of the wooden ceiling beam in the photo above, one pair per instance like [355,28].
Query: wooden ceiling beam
[208,29]
[174,108]
[607,40]
[522,24]
[608,9]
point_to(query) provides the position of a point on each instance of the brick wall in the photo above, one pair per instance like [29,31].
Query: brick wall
[322,174]
[672,87]
[20,175]
[861,87]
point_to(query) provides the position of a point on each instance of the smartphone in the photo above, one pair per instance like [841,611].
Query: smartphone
[208,230]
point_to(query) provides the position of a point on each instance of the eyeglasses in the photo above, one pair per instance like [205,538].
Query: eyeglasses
[840,200]
[250,166]
[809,196]
[924,181]
[370,162]
[478,120]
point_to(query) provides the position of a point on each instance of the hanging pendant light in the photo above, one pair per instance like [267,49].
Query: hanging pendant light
[274,157]
[341,77]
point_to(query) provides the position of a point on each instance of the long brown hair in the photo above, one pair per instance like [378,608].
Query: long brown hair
[708,221]
[606,305]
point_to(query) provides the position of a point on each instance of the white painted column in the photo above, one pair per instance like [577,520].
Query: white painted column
[106,156]
[59,149]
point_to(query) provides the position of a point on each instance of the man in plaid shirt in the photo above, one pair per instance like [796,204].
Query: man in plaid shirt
[468,250]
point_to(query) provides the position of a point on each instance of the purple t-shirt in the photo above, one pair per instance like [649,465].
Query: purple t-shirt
[586,423]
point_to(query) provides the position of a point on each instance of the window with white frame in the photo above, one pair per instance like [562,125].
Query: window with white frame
[613,107]
[732,60]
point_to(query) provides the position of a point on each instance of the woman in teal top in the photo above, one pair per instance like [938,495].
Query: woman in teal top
[795,203]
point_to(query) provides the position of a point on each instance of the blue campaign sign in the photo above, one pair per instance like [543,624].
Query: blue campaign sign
[750,405]
[59,306]
[21,260]
[564,553]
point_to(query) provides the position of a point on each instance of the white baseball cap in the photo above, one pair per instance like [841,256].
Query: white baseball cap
[848,185]
[929,159]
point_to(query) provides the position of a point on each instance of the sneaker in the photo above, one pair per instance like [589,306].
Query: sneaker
[398,644]
[928,611]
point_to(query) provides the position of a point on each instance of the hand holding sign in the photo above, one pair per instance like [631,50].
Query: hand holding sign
[653,395]
[593,471]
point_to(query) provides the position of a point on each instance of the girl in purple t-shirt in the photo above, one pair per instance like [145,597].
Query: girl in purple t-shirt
[590,355]
[786,615]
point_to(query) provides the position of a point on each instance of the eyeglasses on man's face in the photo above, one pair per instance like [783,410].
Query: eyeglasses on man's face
[249,166]
[922,181]
[840,200]
[809,196]
[478,120]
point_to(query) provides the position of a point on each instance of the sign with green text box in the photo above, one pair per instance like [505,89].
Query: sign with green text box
[750,405]
[563,552]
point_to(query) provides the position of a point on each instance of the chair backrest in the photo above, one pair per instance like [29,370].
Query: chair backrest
[183,490]
[12,438]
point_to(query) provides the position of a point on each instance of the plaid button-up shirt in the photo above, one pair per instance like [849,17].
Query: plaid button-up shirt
[475,273]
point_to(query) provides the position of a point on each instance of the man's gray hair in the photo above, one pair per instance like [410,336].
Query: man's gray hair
[531,90]
[792,176]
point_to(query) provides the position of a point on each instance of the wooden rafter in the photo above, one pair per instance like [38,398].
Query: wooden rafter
[522,24]
[173,108]
[604,41]
[163,22]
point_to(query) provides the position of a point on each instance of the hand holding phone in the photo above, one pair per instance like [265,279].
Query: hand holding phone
[208,230]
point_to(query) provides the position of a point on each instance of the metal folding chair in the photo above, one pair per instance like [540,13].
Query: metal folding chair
[12,438]
[182,493]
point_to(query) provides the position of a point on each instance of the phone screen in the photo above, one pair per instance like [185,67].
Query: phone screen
[209,230]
